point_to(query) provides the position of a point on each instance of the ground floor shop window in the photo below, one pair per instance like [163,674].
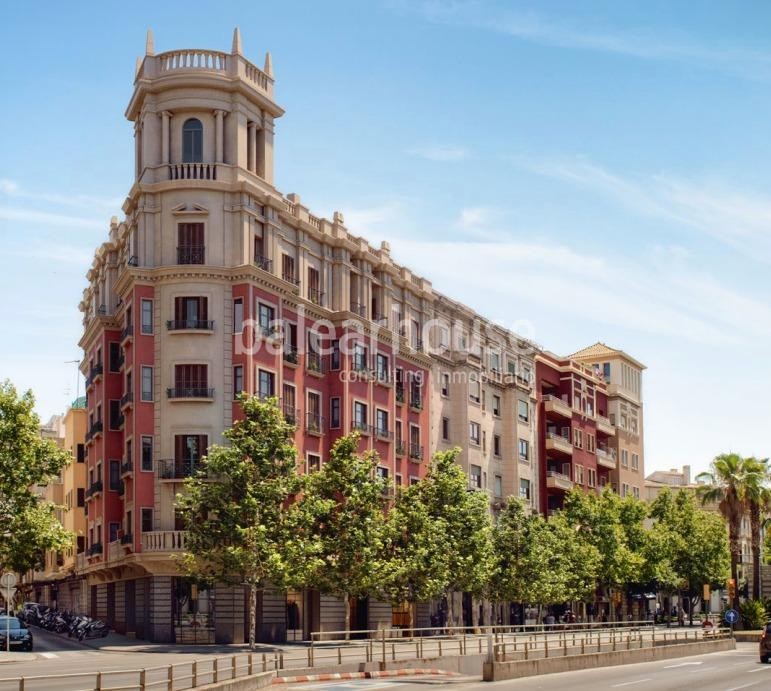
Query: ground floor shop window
[193,612]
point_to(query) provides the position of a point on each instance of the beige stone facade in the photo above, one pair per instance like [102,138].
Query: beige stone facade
[622,375]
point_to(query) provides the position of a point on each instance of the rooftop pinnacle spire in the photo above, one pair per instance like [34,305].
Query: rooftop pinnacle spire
[236,49]
[268,69]
[149,47]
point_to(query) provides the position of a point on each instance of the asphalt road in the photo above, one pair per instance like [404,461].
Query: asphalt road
[726,671]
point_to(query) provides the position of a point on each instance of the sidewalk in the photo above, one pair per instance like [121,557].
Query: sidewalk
[16,657]
[117,643]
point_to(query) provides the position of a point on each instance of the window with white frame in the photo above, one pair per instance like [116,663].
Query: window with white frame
[147,383]
[523,411]
[147,316]
[475,476]
[496,405]
[524,489]
[523,446]
[266,384]
[445,385]
[498,486]
[474,433]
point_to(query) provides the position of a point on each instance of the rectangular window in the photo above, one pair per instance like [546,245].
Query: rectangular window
[625,458]
[578,438]
[474,433]
[314,285]
[314,407]
[381,367]
[81,453]
[147,453]
[606,372]
[147,383]
[191,312]
[592,477]
[265,318]
[497,445]
[238,380]
[498,486]
[635,461]
[381,472]
[114,476]
[475,477]
[190,248]
[147,317]
[523,411]
[445,384]
[359,357]
[113,528]
[147,520]
[495,362]
[524,449]
[287,268]
[238,315]
[81,496]
[115,414]
[578,474]
[636,492]
[188,451]
[496,405]
[524,489]
[398,433]
[191,381]
[334,413]
[266,384]
[359,415]
[335,359]
[474,391]
[314,463]
[115,356]
[446,428]
[381,422]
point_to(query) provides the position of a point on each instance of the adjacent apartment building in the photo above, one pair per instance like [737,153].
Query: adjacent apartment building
[216,283]
[58,580]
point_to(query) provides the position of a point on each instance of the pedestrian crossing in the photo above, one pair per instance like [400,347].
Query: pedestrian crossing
[68,653]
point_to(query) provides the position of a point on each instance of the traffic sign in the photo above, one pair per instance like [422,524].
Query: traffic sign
[731,616]
[8,579]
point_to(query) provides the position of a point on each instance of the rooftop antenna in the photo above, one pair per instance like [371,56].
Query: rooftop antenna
[77,376]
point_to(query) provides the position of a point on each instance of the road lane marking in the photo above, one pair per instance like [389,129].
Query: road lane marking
[759,669]
[629,683]
[744,686]
[683,664]
[48,655]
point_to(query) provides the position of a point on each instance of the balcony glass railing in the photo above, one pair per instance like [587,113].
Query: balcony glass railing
[177,469]
[314,423]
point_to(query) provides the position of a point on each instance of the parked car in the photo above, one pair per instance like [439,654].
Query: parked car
[21,637]
[765,643]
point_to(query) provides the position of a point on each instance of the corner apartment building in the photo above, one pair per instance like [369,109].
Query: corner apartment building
[58,581]
[216,283]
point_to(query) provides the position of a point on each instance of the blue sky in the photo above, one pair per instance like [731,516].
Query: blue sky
[590,171]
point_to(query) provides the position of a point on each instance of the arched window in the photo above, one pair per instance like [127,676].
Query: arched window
[192,141]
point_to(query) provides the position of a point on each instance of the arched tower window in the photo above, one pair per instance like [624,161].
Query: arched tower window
[192,141]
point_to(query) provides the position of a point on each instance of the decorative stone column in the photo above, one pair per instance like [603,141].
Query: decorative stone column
[251,140]
[165,118]
[219,137]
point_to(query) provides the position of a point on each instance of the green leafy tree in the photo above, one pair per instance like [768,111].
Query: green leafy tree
[728,484]
[538,562]
[465,519]
[347,500]
[610,525]
[415,563]
[28,527]
[692,542]
[243,525]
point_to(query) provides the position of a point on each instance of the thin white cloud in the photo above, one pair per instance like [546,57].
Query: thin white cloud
[640,43]
[58,252]
[441,154]
[734,217]
[24,215]
[11,188]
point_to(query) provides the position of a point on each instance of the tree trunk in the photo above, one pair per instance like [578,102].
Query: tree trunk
[409,615]
[449,609]
[735,555]
[755,527]
[252,615]
[347,606]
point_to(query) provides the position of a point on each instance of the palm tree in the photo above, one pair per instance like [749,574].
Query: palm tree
[758,500]
[726,486]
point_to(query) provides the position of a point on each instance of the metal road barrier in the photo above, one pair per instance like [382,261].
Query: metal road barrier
[543,645]
[182,675]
